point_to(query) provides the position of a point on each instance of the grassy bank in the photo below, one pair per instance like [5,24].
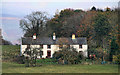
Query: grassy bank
[9,52]
[9,67]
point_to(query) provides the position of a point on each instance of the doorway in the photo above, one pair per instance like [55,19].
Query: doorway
[48,53]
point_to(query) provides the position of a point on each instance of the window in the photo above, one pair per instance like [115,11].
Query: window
[60,46]
[41,46]
[48,46]
[41,52]
[80,46]
[48,53]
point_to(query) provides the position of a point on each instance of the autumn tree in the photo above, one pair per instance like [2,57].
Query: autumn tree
[34,23]
[66,22]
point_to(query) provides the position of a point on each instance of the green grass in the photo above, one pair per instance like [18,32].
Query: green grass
[10,48]
[10,51]
[46,61]
[9,67]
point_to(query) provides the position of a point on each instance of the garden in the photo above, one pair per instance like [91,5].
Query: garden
[12,63]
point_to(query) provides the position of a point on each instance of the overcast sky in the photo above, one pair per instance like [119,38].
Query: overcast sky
[13,11]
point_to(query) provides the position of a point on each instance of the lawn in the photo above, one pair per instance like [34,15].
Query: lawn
[9,67]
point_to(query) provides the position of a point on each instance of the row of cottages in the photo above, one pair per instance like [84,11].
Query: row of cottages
[50,45]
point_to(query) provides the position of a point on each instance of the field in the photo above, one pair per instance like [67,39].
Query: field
[9,52]
[12,67]
[20,68]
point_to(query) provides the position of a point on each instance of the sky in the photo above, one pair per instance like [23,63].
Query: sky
[12,11]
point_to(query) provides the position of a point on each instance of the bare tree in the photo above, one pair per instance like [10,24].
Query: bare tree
[31,55]
[34,23]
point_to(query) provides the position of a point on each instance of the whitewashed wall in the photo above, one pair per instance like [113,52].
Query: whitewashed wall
[84,49]
[55,48]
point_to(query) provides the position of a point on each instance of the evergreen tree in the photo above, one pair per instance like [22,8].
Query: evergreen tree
[101,28]
[114,49]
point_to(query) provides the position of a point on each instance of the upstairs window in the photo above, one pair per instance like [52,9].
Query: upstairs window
[41,46]
[49,46]
[80,46]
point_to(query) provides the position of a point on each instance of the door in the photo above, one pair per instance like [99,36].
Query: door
[48,53]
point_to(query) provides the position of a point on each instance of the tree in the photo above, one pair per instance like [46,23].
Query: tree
[68,56]
[31,55]
[58,23]
[34,23]
[114,49]
[93,8]
[5,42]
[101,28]
[72,24]
[108,9]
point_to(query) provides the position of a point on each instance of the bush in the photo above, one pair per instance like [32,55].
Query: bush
[116,59]
[20,59]
[99,53]
[68,56]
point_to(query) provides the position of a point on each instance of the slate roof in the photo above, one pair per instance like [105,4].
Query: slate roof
[49,40]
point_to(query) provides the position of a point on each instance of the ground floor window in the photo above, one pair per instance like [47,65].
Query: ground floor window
[48,53]
[41,52]
[80,46]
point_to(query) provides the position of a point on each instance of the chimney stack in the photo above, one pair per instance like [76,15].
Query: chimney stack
[54,37]
[34,36]
[73,36]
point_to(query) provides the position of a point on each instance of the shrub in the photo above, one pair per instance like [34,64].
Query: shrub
[99,53]
[68,56]
[20,59]
[116,59]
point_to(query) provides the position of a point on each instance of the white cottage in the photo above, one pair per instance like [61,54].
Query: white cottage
[50,45]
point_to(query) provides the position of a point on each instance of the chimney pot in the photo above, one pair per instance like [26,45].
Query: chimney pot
[73,36]
[54,37]
[34,36]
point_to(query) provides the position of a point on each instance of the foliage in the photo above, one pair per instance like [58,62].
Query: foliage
[99,53]
[5,42]
[101,28]
[114,49]
[93,8]
[66,22]
[68,56]
[31,55]
[116,59]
